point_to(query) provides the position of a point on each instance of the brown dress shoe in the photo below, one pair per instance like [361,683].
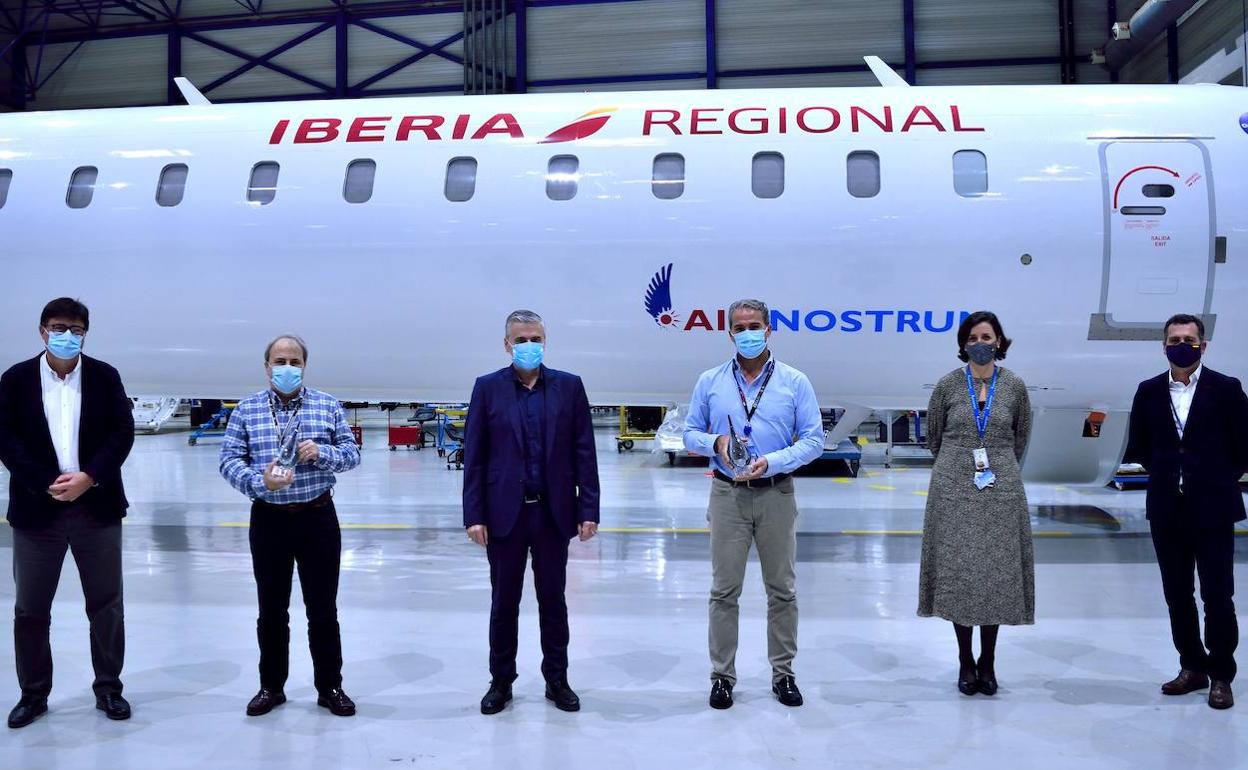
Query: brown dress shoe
[1220,695]
[1185,682]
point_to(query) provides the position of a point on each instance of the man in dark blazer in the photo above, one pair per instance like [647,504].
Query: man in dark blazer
[66,427]
[530,486]
[1189,429]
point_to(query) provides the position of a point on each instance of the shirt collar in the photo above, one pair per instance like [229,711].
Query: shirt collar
[1194,378]
[277,403]
[48,371]
[541,370]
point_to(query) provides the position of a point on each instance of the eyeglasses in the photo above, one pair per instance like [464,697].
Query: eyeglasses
[77,331]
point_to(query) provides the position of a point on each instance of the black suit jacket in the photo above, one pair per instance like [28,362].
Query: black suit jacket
[105,435]
[1212,455]
[494,456]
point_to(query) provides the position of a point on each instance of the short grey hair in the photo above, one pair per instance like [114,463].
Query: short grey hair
[750,304]
[522,317]
[295,338]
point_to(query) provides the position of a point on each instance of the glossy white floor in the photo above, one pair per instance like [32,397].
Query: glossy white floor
[1079,688]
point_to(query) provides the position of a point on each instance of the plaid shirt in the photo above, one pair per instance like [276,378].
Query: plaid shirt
[251,444]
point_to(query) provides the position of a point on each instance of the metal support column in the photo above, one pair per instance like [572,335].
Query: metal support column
[712,55]
[341,28]
[1172,51]
[521,84]
[907,17]
[173,66]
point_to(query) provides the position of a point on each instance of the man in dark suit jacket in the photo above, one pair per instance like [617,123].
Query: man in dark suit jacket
[66,427]
[530,486]
[1189,429]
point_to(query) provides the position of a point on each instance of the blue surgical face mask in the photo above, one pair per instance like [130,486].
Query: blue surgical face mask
[65,345]
[527,355]
[287,379]
[750,342]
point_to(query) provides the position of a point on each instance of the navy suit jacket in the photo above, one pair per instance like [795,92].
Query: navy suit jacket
[105,435]
[1212,455]
[494,455]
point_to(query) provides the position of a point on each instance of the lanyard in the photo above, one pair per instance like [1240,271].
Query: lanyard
[981,418]
[1177,422]
[278,429]
[750,410]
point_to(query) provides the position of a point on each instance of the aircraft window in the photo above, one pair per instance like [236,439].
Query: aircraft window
[767,179]
[862,174]
[263,186]
[461,179]
[970,173]
[1143,211]
[1158,191]
[172,184]
[358,186]
[82,187]
[562,177]
[669,176]
[6,177]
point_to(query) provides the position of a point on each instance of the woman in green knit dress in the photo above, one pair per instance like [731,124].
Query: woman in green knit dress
[978,566]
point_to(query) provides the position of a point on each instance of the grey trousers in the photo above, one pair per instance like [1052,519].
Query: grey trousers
[38,555]
[766,517]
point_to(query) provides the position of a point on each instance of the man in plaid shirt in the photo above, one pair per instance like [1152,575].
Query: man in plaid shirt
[293,521]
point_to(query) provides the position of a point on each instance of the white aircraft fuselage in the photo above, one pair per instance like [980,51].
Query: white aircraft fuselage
[403,297]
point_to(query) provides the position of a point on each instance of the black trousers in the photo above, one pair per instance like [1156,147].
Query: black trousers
[535,532]
[1183,550]
[309,539]
[38,555]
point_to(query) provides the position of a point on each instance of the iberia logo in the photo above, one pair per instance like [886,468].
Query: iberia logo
[585,126]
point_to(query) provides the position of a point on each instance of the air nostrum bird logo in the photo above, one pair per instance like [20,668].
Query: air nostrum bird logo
[659,299]
[585,126]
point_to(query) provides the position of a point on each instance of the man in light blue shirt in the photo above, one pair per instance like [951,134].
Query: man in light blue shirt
[770,408]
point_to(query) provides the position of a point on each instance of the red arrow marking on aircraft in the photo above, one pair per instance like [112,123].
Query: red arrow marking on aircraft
[1171,172]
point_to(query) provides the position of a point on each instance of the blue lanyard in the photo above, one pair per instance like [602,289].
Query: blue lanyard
[981,418]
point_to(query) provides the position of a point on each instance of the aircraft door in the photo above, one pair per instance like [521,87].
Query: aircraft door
[1159,237]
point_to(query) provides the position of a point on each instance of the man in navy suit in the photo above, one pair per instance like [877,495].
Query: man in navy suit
[1189,429]
[530,486]
[66,428]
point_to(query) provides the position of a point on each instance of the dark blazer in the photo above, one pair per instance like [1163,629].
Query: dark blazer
[105,435]
[494,456]
[1212,455]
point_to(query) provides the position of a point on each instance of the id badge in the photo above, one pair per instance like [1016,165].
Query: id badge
[981,459]
[985,479]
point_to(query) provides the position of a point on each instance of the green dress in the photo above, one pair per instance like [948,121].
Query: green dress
[978,563]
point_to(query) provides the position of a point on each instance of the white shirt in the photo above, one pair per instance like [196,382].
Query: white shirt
[62,405]
[1181,397]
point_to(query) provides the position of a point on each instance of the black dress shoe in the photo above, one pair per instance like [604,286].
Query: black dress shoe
[968,680]
[786,690]
[496,699]
[113,705]
[562,695]
[265,701]
[337,702]
[721,693]
[1220,695]
[27,710]
[1187,681]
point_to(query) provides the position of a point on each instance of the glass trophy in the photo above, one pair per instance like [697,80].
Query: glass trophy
[739,454]
[288,453]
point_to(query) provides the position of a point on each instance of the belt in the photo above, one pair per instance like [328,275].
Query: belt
[770,481]
[530,499]
[324,500]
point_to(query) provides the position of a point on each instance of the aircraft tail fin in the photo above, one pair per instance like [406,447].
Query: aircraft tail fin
[887,76]
[190,93]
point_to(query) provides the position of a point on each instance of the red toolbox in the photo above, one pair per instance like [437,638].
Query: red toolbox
[358,434]
[405,435]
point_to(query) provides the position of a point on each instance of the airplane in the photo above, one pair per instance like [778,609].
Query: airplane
[396,234]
